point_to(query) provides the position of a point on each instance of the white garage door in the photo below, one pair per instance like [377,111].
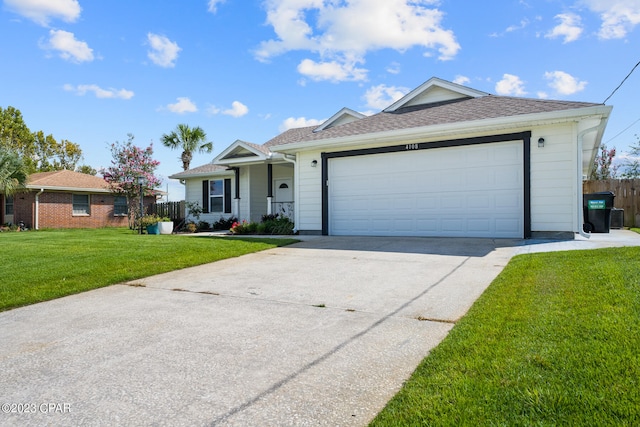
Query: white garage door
[470,191]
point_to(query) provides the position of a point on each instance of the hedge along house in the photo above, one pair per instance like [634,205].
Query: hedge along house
[66,199]
[445,160]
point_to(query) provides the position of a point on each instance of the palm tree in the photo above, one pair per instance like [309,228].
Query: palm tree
[189,140]
[13,172]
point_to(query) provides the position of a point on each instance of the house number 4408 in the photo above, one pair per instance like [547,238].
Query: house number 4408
[411,147]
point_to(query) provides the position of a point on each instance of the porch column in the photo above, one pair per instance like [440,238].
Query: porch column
[236,199]
[269,188]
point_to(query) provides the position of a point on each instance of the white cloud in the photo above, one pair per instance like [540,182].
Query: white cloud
[184,105]
[570,27]
[542,95]
[510,85]
[521,26]
[564,83]
[238,109]
[619,17]
[163,51]
[82,90]
[342,33]
[213,5]
[382,96]
[393,68]
[461,80]
[292,123]
[334,71]
[43,11]
[68,47]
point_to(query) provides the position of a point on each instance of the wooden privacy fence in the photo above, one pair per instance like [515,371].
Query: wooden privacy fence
[173,210]
[626,196]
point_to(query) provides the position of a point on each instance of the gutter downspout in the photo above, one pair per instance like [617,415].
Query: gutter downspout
[581,135]
[292,160]
[36,225]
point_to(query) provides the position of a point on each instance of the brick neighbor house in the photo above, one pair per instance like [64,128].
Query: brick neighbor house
[65,199]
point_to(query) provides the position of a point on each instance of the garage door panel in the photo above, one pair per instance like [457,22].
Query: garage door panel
[479,202]
[451,202]
[508,225]
[426,226]
[508,201]
[479,225]
[458,191]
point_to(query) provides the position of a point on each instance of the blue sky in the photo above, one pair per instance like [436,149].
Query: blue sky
[93,71]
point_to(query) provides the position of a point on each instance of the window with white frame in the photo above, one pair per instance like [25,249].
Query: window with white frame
[81,204]
[216,195]
[120,207]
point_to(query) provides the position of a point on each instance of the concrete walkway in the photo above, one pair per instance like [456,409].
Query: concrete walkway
[323,332]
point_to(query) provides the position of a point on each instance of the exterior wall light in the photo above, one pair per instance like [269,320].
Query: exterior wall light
[540,142]
[314,163]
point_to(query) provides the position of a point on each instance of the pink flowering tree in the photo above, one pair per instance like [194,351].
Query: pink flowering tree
[603,167]
[130,162]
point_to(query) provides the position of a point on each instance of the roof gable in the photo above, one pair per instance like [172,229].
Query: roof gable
[242,151]
[433,91]
[346,115]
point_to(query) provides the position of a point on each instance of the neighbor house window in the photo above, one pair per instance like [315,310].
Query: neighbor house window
[8,205]
[120,207]
[216,195]
[81,204]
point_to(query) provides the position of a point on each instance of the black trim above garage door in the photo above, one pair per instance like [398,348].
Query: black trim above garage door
[525,137]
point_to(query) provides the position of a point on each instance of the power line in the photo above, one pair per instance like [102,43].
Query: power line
[622,131]
[622,82]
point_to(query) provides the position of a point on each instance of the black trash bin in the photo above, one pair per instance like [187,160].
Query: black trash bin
[597,211]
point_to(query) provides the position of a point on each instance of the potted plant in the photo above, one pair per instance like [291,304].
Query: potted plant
[150,223]
[165,225]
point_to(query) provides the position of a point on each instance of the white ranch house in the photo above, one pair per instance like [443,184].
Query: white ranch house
[445,160]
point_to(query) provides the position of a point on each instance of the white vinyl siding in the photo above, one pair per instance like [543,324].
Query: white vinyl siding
[554,172]
[258,192]
[193,193]
[309,192]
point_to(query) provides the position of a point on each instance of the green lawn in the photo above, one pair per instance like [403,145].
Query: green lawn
[555,340]
[42,265]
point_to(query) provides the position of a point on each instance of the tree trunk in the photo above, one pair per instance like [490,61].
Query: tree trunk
[186,159]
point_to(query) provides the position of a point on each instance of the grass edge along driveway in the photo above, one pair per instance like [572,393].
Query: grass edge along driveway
[43,265]
[554,340]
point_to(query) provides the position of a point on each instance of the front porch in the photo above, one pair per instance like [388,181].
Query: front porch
[284,209]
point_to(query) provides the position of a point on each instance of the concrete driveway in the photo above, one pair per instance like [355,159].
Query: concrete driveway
[323,332]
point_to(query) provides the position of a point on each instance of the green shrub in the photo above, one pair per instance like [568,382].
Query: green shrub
[224,223]
[275,225]
[203,226]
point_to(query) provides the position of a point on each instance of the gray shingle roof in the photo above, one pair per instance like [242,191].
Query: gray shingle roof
[67,179]
[261,148]
[199,170]
[447,112]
